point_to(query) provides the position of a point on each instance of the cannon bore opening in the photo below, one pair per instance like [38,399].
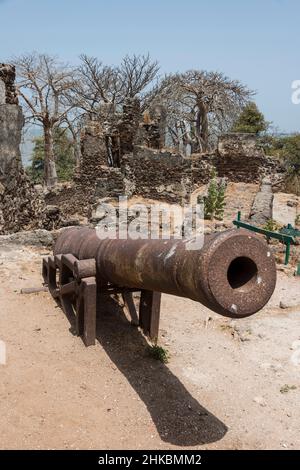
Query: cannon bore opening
[242,273]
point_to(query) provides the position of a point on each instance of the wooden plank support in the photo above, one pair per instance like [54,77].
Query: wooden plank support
[33,290]
[52,283]
[45,271]
[89,310]
[69,261]
[149,313]
[76,289]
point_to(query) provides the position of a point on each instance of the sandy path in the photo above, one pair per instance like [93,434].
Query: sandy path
[221,388]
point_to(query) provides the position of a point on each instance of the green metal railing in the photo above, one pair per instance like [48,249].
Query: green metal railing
[286,235]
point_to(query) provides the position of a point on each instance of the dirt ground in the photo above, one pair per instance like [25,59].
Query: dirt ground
[228,384]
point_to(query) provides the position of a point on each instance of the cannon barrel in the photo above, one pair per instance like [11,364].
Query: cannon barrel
[233,274]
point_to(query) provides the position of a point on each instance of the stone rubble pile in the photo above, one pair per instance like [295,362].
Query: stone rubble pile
[21,207]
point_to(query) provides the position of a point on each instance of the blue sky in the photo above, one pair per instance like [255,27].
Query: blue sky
[257,42]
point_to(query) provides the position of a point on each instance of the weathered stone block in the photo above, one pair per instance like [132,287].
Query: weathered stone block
[11,124]
[239,144]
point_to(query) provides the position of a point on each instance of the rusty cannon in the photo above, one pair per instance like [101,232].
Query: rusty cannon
[233,274]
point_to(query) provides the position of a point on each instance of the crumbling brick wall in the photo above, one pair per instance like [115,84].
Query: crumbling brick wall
[93,151]
[8,93]
[152,129]
[75,198]
[110,184]
[11,124]
[202,166]
[240,159]
[128,126]
[158,174]
[21,207]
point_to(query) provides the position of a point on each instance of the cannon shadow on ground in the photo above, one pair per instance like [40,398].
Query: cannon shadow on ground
[179,419]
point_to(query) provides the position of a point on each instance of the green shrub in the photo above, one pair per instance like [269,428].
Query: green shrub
[158,353]
[271,225]
[214,202]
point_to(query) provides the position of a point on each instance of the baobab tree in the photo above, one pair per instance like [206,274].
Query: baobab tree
[43,83]
[96,85]
[200,105]
[102,89]
[73,123]
[137,73]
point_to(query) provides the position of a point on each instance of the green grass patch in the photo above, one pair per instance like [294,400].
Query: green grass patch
[158,353]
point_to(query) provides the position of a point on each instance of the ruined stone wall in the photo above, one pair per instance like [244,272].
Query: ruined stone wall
[202,166]
[75,199]
[152,130]
[21,207]
[93,152]
[123,155]
[8,93]
[240,170]
[163,175]
[157,174]
[11,124]
[128,126]
[240,159]
[68,198]
[239,145]
[110,184]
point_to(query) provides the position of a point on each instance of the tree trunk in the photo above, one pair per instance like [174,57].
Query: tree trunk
[77,152]
[76,145]
[50,175]
[202,126]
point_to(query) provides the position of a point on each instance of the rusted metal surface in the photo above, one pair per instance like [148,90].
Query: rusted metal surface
[233,274]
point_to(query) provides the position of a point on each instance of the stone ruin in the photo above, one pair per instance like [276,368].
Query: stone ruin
[130,158]
[123,156]
[7,85]
[21,206]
